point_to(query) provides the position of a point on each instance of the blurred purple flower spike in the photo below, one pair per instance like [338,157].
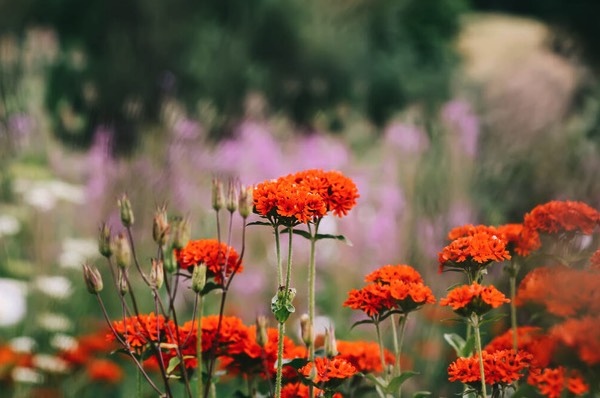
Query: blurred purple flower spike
[459,116]
[407,138]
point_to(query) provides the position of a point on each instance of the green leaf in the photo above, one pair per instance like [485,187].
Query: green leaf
[456,342]
[173,363]
[209,287]
[302,233]
[363,322]
[525,390]
[421,394]
[341,238]
[259,223]
[295,363]
[491,319]
[281,305]
[397,381]
[378,381]
[469,347]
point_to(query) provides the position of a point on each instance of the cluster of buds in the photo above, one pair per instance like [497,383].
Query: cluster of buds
[239,197]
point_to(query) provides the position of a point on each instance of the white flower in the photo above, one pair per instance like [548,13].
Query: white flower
[50,364]
[9,225]
[57,287]
[53,322]
[23,344]
[63,342]
[13,305]
[26,375]
[76,251]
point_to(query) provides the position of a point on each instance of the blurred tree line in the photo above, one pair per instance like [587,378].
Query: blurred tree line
[121,58]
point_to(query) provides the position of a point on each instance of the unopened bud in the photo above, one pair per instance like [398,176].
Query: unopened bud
[232,197]
[123,285]
[199,278]
[170,261]
[306,330]
[182,231]
[313,373]
[122,251]
[246,201]
[161,227]
[126,211]
[217,194]
[330,343]
[157,275]
[92,278]
[262,337]
[104,241]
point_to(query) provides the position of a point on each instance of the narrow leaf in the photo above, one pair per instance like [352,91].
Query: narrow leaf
[173,363]
[456,342]
[259,223]
[363,322]
[397,381]
[341,238]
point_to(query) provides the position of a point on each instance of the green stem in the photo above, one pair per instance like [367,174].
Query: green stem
[381,350]
[279,264]
[138,383]
[281,333]
[475,321]
[513,307]
[199,345]
[311,298]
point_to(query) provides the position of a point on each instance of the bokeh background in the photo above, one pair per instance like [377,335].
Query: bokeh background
[444,112]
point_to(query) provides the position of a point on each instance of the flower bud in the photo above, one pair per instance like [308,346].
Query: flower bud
[313,373]
[246,201]
[161,227]
[262,337]
[123,285]
[122,251]
[232,197]
[92,278]
[182,231]
[126,211]
[157,275]
[330,343]
[306,330]
[170,261]
[104,241]
[199,278]
[217,194]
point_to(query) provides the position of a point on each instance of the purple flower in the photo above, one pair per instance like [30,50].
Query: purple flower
[460,118]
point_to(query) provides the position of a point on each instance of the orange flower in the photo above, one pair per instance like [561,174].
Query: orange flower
[581,336]
[470,230]
[473,252]
[501,367]
[299,390]
[305,196]
[139,331]
[373,299]
[552,382]
[217,256]
[364,356]
[595,261]
[105,371]
[329,369]
[562,216]
[410,296]
[474,298]
[390,273]
[530,339]
[256,360]
[562,291]
[521,240]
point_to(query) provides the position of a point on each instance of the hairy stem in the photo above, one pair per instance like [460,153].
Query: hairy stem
[475,321]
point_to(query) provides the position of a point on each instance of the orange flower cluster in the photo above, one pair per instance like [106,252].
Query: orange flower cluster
[305,196]
[475,298]
[500,367]
[393,287]
[139,331]
[530,339]
[562,291]
[562,216]
[582,336]
[299,390]
[256,360]
[217,256]
[106,371]
[552,382]
[473,251]
[328,370]
[363,355]
[517,239]
[10,359]
[595,261]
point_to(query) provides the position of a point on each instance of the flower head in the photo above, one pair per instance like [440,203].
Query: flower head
[530,339]
[105,371]
[551,382]
[475,298]
[328,370]
[219,258]
[473,252]
[562,216]
[363,355]
[501,367]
